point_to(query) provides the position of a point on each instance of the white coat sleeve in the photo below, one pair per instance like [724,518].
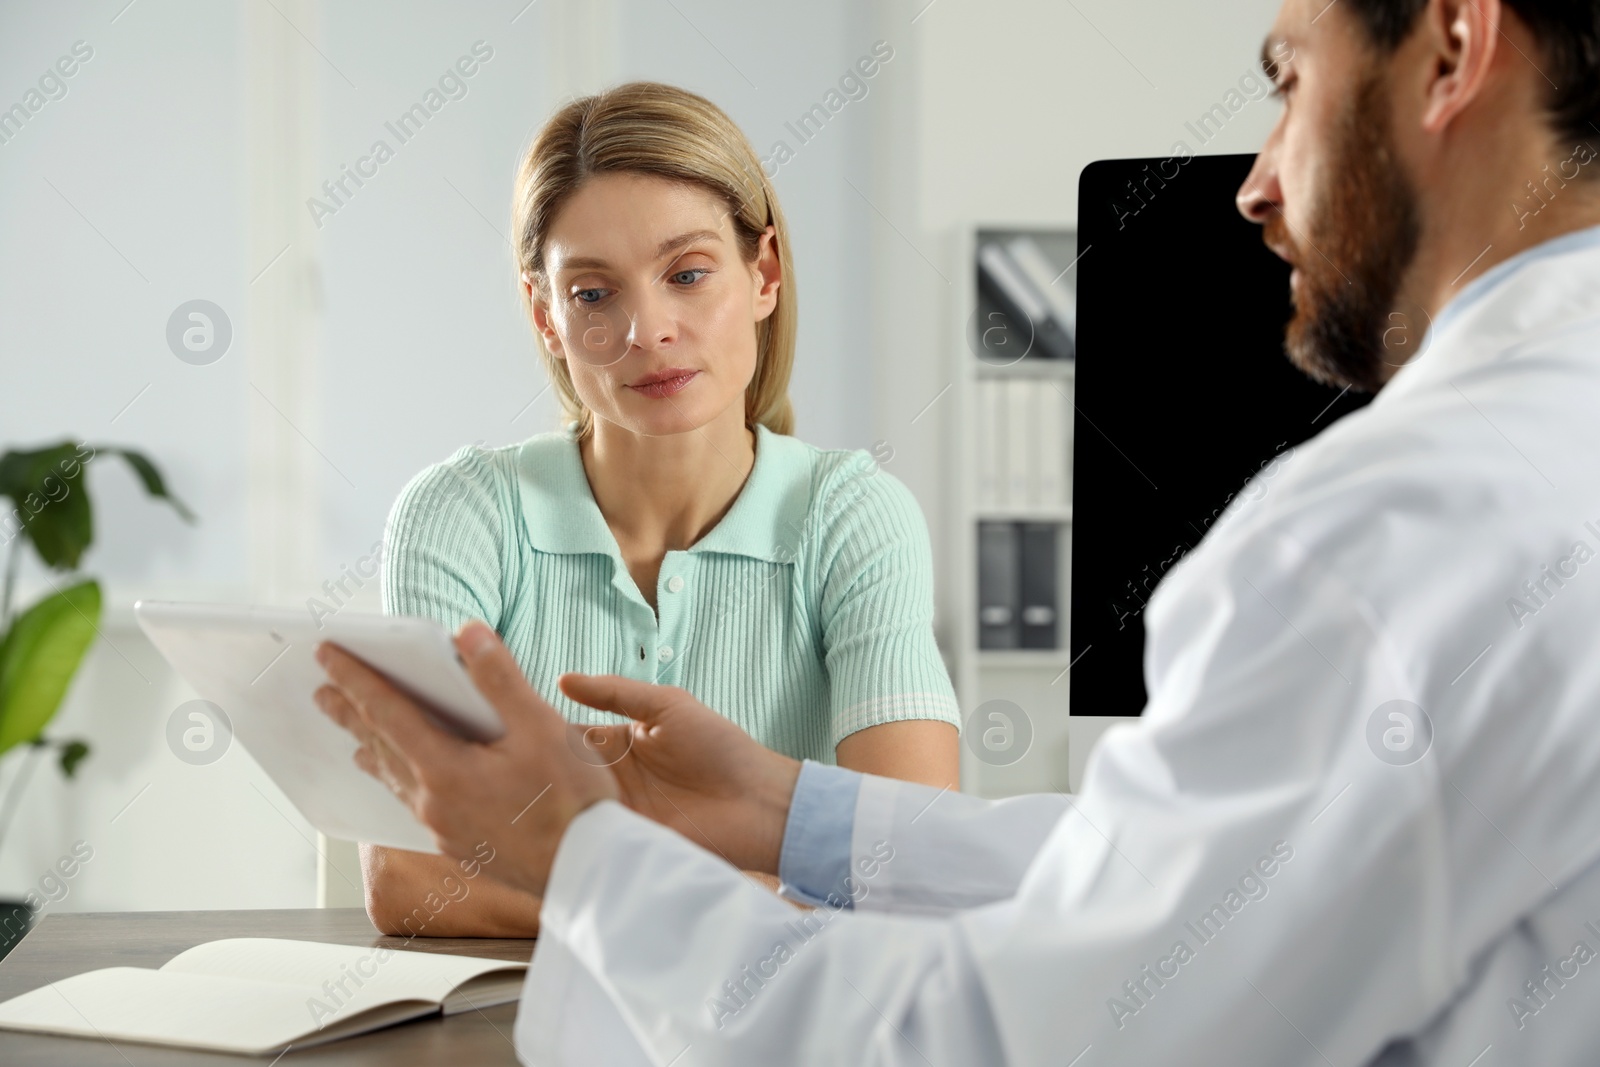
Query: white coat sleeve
[1243,878]
[653,951]
[916,850]
[948,851]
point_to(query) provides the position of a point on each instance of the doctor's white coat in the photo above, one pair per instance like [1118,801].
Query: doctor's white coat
[1358,822]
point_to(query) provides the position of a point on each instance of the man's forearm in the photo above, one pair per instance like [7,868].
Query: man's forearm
[860,840]
[950,851]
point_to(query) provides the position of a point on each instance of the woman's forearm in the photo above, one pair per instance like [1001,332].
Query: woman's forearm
[915,750]
[414,894]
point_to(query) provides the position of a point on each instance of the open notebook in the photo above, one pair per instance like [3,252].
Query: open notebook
[259,995]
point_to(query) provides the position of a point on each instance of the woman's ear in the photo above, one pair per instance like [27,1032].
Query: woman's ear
[769,273]
[539,311]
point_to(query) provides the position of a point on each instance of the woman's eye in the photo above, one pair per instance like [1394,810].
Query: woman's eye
[589,296]
[690,276]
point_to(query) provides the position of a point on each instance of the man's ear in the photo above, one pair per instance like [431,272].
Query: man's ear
[1462,40]
[769,272]
[539,311]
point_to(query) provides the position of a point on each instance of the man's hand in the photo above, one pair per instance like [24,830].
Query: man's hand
[518,793]
[689,768]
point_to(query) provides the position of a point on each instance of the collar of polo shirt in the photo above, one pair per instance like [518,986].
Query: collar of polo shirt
[764,522]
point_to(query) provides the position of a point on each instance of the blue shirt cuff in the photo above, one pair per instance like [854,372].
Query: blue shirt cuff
[814,863]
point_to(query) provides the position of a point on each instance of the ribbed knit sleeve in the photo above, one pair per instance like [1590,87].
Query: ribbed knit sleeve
[875,579]
[445,545]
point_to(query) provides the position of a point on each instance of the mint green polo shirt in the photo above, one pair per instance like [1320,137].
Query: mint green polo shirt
[804,615]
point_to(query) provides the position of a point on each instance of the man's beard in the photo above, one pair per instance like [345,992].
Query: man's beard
[1347,330]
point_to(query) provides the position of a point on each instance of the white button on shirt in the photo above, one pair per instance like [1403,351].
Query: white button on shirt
[675,584]
[1254,872]
[664,654]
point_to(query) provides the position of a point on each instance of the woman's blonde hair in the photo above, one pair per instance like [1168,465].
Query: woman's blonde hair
[661,130]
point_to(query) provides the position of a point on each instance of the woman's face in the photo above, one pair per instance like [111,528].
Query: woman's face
[651,304]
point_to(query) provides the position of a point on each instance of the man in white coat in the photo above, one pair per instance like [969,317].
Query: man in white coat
[1359,820]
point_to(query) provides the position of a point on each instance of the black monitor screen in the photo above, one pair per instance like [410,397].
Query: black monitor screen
[1183,393]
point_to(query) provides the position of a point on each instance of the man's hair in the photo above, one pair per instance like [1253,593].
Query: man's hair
[1568,32]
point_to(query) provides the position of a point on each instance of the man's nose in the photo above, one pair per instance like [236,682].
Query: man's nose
[1260,195]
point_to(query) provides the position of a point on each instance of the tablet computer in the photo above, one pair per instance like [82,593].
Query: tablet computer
[258,665]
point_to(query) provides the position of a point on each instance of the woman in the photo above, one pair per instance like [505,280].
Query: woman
[674,532]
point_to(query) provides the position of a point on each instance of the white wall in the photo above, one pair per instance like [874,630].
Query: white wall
[1010,118]
[390,335]
[118,202]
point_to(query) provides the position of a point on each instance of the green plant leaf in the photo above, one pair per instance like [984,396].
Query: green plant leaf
[49,500]
[73,753]
[149,475]
[38,658]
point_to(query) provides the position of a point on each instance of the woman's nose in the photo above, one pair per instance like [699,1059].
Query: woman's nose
[651,324]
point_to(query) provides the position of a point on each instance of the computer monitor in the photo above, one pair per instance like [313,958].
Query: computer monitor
[1183,393]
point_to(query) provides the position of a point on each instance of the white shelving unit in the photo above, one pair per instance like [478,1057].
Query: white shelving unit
[1035,681]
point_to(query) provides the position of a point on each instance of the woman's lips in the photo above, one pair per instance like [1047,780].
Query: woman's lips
[673,381]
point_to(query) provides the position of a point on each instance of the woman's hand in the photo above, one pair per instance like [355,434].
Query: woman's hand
[518,793]
[689,768]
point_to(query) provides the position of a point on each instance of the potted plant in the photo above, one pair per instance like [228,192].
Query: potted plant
[42,645]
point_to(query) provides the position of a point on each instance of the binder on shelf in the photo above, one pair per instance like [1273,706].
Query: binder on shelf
[1048,280]
[1037,584]
[1003,282]
[999,614]
[991,427]
[1021,437]
[1054,452]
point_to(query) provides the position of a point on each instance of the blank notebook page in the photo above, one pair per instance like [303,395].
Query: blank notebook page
[312,963]
[232,1014]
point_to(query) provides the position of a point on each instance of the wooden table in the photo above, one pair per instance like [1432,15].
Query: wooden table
[64,945]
